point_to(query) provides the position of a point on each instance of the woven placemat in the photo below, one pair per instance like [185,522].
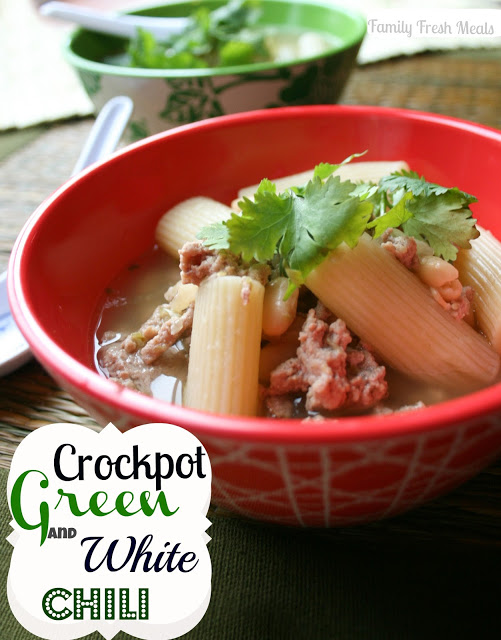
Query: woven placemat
[33,172]
[462,84]
[29,398]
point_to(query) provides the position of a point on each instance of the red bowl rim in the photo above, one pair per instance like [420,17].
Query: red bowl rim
[482,404]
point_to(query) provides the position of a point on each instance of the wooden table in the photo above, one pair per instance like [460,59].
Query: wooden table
[464,84]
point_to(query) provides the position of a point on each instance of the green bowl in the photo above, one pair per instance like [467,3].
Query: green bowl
[165,98]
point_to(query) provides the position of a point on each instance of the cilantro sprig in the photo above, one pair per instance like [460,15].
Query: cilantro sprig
[223,37]
[303,224]
[301,228]
[412,181]
[437,215]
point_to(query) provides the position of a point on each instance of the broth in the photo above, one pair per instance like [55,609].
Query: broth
[132,297]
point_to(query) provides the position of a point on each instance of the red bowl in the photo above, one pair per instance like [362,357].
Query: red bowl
[330,473]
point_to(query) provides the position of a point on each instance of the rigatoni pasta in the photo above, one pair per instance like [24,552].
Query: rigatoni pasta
[386,305]
[182,223]
[480,267]
[223,368]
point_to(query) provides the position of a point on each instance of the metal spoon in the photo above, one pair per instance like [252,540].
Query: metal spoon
[123,25]
[102,140]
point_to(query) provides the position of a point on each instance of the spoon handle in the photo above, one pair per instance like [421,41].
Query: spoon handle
[106,132]
[102,141]
[123,25]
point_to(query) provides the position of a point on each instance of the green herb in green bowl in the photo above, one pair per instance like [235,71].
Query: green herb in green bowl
[223,37]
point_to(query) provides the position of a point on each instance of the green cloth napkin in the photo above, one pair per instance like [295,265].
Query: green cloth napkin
[274,583]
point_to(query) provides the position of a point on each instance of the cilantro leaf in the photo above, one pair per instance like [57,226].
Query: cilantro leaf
[365,190]
[427,211]
[233,16]
[146,52]
[305,228]
[411,181]
[214,236]
[233,53]
[324,218]
[267,185]
[226,36]
[324,169]
[393,218]
[444,221]
[217,235]
[256,232]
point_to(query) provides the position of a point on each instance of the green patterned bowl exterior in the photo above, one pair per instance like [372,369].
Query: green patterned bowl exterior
[165,98]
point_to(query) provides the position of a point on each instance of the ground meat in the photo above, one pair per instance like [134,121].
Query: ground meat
[245,291]
[198,262]
[323,313]
[130,370]
[461,308]
[115,362]
[328,370]
[403,247]
[148,330]
[281,406]
[168,334]
[162,329]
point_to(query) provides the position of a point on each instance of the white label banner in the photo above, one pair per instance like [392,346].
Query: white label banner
[109,532]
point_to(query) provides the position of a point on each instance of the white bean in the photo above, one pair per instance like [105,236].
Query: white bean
[435,272]
[278,314]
